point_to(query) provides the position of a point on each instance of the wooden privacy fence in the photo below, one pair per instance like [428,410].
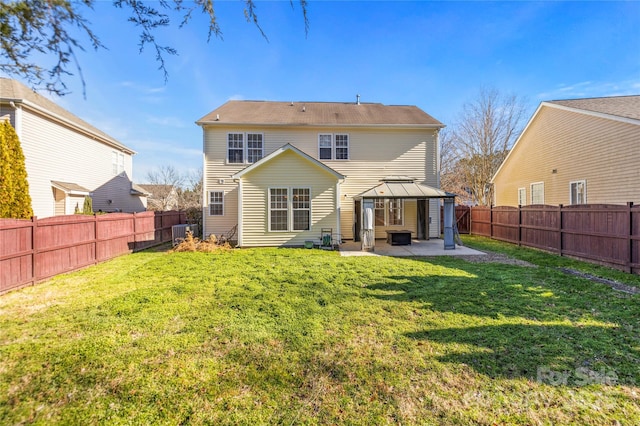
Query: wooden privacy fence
[604,233]
[463,218]
[33,250]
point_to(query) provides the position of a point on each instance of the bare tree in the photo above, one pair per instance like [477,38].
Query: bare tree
[56,30]
[482,136]
[165,184]
[191,195]
[451,179]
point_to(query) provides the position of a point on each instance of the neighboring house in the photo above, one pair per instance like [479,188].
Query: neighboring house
[67,158]
[283,172]
[161,197]
[575,152]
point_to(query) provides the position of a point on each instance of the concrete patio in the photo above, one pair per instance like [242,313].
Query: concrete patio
[434,247]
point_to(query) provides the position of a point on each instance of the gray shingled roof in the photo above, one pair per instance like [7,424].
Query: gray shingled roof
[318,114]
[12,90]
[620,106]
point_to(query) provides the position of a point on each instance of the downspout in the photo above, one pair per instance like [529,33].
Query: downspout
[438,165]
[240,237]
[17,118]
[338,207]
[205,199]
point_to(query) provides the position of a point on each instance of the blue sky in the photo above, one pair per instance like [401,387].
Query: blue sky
[435,55]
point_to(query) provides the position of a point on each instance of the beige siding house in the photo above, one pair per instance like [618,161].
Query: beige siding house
[67,158]
[575,152]
[284,171]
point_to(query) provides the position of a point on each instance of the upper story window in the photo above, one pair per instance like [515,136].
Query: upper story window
[578,192]
[333,146]
[117,162]
[244,147]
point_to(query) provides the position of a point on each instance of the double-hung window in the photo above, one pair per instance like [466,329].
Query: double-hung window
[578,192]
[289,209]
[216,203]
[117,162]
[325,147]
[537,193]
[388,212]
[522,196]
[244,147]
[333,146]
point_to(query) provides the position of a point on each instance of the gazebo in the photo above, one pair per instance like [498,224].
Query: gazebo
[402,187]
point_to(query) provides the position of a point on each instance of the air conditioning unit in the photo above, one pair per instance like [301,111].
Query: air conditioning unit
[179,233]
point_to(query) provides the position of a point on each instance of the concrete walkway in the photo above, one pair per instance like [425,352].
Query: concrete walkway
[433,247]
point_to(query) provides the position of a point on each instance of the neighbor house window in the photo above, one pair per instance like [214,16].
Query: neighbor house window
[289,209]
[235,145]
[333,147]
[278,209]
[216,203]
[578,191]
[117,162]
[301,205]
[522,196]
[325,147]
[388,212]
[537,193]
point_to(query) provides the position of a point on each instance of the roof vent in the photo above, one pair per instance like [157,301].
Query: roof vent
[304,109]
[357,99]
[217,117]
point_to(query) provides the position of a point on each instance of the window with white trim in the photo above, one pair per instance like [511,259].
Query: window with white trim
[301,206]
[325,147]
[278,209]
[388,212]
[342,147]
[255,147]
[117,162]
[235,147]
[216,203]
[244,147]
[578,192]
[333,147]
[522,196]
[537,193]
[289,209]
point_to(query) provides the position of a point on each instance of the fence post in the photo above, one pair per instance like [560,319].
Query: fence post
[135,234]
[560,229]
[630,238]
[34,226]
[491,221]
[95,239]
[519,225]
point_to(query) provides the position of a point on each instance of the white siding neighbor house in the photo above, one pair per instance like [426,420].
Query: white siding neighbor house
[576,151]
[67,158]
[285,173]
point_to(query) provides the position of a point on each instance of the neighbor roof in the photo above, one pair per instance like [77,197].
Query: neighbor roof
[318,114]
[14,91]
[621,106]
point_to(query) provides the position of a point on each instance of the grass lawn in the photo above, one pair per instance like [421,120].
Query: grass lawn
[294,336]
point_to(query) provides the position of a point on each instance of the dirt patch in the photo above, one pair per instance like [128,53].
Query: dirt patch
[611,283]
[490,257]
